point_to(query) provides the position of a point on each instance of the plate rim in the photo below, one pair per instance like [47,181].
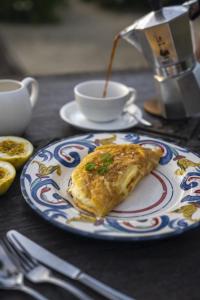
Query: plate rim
[87,234]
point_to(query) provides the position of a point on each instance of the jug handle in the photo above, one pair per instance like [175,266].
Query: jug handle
[29,81]
[193,7]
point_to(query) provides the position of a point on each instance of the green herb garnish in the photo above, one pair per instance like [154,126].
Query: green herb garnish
[107,158]
[102,170]
[90,166]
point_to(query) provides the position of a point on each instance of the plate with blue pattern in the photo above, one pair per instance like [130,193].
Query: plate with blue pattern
[165,203]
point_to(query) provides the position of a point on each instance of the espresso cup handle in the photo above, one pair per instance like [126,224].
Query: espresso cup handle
[131,97]
[29,81]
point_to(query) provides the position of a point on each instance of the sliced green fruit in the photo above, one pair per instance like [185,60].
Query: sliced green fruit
[7,175]
[15,150]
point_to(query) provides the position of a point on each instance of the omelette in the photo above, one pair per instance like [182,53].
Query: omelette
[106,176]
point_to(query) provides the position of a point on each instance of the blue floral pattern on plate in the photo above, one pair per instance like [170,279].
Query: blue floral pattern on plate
[165,203]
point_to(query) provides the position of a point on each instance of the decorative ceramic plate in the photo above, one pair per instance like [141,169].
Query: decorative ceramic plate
[165,203]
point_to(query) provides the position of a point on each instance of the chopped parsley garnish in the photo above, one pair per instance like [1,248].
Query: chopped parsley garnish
[102,170]
[90,166]
[106,159]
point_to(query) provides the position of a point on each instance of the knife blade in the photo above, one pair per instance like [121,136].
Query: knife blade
[49,259]
[43,255]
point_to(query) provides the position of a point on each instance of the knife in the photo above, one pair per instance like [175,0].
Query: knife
[49,259]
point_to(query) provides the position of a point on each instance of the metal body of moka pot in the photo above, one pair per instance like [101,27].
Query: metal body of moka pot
[164,37]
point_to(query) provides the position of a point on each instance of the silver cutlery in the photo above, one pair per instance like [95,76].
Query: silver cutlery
[11,278]
[131,111]
[63,267]
[37,273]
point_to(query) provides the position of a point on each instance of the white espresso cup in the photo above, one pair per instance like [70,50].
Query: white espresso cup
[17,99]
[92,104]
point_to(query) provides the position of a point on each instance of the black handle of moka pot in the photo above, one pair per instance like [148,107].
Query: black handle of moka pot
[155,4]
[194,9]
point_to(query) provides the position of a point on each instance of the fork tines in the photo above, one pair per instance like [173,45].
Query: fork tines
[20,256]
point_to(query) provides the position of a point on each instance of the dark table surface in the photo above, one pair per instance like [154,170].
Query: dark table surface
[162,269]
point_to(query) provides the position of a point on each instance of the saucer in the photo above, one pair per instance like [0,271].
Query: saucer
[71,114]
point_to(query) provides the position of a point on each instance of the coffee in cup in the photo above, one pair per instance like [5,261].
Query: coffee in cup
[97,108]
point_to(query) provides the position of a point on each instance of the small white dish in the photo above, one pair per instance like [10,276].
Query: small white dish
[71,114]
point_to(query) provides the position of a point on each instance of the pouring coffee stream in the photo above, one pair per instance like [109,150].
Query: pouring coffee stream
[165,38]
[109,69]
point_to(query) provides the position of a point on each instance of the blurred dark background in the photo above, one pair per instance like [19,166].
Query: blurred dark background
[37,11]
[41,37]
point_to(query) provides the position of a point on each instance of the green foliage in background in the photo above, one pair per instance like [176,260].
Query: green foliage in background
[127,5]
[123,5]
[48,11]
[30,11]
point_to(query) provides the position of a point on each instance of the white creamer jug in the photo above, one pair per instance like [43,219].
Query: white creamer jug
[17,99]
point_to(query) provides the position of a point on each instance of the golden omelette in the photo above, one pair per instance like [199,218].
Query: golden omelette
[106,176]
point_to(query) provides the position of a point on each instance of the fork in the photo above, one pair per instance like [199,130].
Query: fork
[11,278]
[38,273]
